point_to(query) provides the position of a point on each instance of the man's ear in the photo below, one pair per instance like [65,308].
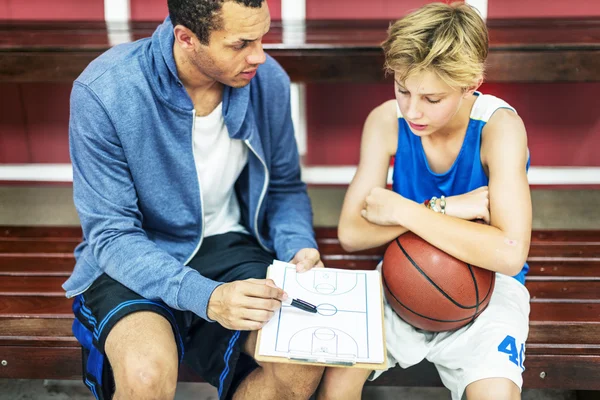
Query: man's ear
[184,38]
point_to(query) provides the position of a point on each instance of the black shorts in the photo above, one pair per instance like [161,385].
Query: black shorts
[212,351]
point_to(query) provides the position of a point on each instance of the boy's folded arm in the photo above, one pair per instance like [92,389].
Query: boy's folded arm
[378,145]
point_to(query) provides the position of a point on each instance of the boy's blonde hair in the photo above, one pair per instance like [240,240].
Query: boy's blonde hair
[450,39]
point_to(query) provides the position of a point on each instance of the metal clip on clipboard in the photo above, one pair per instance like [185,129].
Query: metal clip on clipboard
[322,358]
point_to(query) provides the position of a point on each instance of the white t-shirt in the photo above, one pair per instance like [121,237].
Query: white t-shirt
[219,162]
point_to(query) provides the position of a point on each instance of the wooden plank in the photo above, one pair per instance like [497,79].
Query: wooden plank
[548,251]
[544,334]
[32,286]
[33,331]
[573,372]
[28,362]
[582,289]
[542,372]
[30,265]
[35,307]
[40,232]
[60,307]
[566,349]
[520,50]
[322,233]
[537,252]
[560,372]
[36,327]
[51,286]
[563,269]
[33,246]
[565,312]
[43,265]
[577,236]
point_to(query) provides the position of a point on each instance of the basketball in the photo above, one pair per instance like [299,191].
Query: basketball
[430,289]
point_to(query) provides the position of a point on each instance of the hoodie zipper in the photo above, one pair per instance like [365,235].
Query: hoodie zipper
[262,196]
[199,190]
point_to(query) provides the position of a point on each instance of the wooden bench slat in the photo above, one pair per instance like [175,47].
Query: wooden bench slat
[43,265]
[564,281]
[589,290]
[521,50]
[29,246]
[560,371]
[54,327]
[541,334]
[32,285]
[51,286]
[36,265]
[536,252]
[40,232]
[60,307]
[35,307]
[322,233]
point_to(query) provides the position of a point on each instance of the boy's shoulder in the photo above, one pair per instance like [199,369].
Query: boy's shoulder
[486,106]
[387,113]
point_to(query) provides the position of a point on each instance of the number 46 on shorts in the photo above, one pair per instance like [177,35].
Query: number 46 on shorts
[509,346]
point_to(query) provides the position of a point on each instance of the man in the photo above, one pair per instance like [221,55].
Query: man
[186,175]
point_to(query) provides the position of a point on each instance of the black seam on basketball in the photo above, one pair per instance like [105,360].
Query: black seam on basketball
[429,279]
[414,312]
[476,291]
[492,282]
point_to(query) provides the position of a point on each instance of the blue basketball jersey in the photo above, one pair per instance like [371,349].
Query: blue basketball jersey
[412,177]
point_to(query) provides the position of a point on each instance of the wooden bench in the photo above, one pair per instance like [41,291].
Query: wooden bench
[521,50]
[563,350]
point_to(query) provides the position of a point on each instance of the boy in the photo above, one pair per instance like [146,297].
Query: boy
[467,154]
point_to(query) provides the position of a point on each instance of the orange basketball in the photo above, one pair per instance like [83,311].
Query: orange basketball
[430,289]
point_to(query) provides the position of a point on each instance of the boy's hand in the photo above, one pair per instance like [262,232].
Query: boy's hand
[381,206]
[306,259]
[470,206]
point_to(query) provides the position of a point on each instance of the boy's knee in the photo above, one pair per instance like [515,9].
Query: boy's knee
[493,389]
[295,381]
[341,383]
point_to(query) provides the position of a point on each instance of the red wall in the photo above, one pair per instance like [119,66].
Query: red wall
[542,8]
[52,9]
[4,9]
[561,119]
[152,10]
[14,146]
[373,9]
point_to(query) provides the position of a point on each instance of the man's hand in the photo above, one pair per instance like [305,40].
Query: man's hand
[306,259]
[470,206]
[245,305]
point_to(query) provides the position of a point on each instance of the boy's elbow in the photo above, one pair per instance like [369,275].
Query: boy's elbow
[347,240]
[515,262]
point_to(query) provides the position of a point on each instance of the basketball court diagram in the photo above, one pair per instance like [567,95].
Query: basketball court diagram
[340,328]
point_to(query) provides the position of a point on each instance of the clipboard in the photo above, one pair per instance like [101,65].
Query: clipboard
[323,360]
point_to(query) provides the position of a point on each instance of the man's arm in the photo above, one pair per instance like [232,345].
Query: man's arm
[106,201]
[289,212]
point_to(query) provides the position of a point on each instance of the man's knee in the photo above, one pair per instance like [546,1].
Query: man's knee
[294,381]
[143,355]
[146,378]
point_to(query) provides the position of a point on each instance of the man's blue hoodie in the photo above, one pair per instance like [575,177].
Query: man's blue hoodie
[134,175]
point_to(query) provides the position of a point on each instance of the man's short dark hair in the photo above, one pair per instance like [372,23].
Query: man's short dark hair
[202,16]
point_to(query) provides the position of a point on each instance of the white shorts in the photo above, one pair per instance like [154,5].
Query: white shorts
[493,346]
